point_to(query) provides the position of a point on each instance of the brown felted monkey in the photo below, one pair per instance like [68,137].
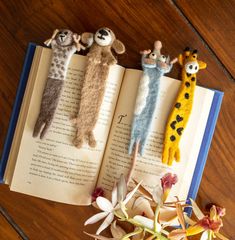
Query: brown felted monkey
[99,60]
[64,44]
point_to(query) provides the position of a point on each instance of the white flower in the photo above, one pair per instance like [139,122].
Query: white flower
[119,199]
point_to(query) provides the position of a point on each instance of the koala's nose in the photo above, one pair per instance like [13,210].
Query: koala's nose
[103,32]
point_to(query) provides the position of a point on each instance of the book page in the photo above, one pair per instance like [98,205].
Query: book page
[149,167]
[53,168]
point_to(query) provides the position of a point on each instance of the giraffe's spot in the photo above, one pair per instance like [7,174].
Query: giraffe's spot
[189,74]
[187,84]
[178,105]
[173,124]
[58,65]
[193,79]
[179,118]
[179,130]
[186,95]
[172,138]
[52,64]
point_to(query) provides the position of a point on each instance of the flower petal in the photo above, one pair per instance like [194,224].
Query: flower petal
[177,234]
[143,190]
[108,220]
[114,195]
[131,194]
[188,220]
[197,211]
[104,204]
[142,206]
[204,236]
[97,217]
[157,194]
[117,231]
[167,215]
[121,188]
[146,222]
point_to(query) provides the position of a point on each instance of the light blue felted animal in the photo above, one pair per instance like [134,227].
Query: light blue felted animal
[154,65]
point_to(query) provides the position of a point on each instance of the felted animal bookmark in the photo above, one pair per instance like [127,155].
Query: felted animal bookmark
[182,107]
[64,44]
[99,60]
[154,65]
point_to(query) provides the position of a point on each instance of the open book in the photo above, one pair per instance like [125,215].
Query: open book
[54,169]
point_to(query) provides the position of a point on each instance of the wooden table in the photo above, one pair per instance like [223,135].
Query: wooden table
[208,26]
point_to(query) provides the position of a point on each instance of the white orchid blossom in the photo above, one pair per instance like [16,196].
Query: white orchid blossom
[120,198]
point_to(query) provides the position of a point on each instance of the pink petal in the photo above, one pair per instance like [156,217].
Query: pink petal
[108,220]
[96,218]
[104,204]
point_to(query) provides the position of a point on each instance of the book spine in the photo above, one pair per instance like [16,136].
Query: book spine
[16,108]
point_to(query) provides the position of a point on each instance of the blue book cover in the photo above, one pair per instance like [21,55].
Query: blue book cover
[16,108]
[204,149]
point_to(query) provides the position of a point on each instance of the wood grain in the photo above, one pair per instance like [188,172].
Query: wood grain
[215,22]
[138,24]
[6,231]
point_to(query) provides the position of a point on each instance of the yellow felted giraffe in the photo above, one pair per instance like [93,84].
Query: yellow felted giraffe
[182,107]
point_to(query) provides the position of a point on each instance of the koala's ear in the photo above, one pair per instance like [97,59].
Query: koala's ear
[118,47]
[88,38]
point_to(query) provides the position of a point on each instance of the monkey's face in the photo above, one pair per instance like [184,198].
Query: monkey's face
[104,37]
[64,37]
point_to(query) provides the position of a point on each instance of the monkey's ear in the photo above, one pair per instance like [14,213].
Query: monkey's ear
[88,38]
[118,46]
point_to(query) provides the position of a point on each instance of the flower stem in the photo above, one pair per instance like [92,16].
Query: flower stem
[156,217]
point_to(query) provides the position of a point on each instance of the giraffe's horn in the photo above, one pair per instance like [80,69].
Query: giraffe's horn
[195,51]
[186,49]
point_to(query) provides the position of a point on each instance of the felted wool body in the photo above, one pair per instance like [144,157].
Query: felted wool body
[61,56]
[145,104]
[49,103]
[182,107]
[92,94]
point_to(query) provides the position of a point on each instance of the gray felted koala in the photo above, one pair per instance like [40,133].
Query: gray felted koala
[64,44]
